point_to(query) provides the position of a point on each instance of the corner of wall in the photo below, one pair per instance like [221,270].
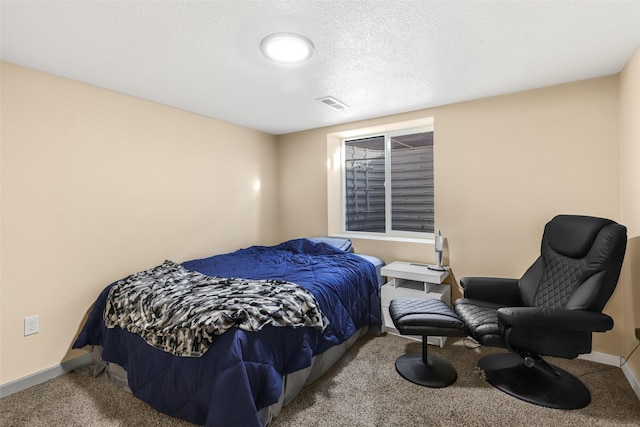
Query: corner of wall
[629,95]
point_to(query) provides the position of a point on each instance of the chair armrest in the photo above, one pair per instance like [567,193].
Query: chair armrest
[555,318]
[492,289]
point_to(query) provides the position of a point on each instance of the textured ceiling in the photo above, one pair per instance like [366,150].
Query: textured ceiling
[378,57]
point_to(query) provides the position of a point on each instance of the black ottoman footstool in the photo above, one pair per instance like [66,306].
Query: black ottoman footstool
[426,317]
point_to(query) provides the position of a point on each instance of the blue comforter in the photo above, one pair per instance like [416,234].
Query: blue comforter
[242,371]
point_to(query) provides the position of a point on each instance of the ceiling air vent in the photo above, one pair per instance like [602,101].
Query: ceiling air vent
[334,103]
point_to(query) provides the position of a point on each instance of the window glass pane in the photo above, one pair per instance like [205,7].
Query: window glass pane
[412,183]
[364,185]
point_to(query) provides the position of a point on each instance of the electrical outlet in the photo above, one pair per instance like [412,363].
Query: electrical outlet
[638,334]
[31,325]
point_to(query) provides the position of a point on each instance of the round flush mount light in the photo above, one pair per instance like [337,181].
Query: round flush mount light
[287,48]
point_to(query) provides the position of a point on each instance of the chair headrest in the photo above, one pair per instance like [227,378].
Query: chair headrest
[573,235]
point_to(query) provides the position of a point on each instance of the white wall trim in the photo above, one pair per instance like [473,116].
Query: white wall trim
[604,358]
[633,381]
[44,375]
[610,359]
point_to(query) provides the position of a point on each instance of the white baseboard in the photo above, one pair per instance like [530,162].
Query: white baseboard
[604,358]
[633,381]
[44,375]
[609,359]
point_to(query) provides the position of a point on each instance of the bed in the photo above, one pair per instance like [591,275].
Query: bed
[243,377]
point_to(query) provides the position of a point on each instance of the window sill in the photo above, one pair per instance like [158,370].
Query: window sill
[429,241]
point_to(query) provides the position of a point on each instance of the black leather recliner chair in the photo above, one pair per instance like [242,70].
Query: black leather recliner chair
[551,311]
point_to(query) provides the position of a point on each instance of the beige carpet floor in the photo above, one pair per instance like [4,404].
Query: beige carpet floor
[362,389]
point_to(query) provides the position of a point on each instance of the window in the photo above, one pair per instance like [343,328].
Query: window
[388,183]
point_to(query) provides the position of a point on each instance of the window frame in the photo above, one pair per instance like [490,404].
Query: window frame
[389,131]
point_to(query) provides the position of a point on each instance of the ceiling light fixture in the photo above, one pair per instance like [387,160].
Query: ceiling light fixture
[289,48]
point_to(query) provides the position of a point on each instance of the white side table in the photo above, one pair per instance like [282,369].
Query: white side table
[413,280]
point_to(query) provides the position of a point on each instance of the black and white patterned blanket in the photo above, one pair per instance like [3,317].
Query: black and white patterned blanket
[180,311]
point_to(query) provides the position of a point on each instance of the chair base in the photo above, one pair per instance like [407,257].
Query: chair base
[507,372]
[435,373]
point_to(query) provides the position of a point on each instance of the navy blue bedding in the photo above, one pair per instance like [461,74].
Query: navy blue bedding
[242,371]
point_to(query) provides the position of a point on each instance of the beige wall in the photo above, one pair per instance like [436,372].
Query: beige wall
[97,185]
[504,167]
[630,203]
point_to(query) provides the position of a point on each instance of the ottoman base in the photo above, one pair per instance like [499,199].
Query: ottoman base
[435,373]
